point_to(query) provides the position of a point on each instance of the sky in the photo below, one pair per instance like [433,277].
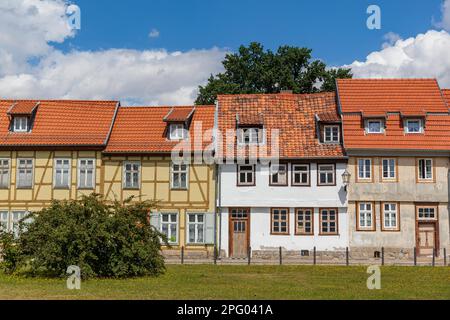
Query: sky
[157,52]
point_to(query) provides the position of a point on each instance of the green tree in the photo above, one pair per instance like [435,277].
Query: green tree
[255,70]
[104,240]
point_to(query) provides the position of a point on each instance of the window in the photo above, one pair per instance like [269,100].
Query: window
[86,174]
[278,175]
[196,228]
[374,126]
[177,131]
[246,175]
[250,136]
[366,216]
[364,169]
[169,226]
[425,168]
[304,221]
[280,221]
[390,216]
[180,176]
[20,124]
[4,173]
[132,172]
[25,173]
[4,221]
[10,221]
[426,213]
[331,134]
[62,173]
[389,169]
[327,175]
[300,175]
[413,126]
[329,222]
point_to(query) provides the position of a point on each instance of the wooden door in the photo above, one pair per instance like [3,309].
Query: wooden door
[239,232]
[426,238]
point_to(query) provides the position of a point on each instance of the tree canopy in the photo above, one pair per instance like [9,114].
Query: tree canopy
[255,70]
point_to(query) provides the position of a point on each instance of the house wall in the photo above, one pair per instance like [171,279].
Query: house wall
[156,185]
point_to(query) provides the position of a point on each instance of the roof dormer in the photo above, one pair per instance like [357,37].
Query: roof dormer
[21,115]
[178,121]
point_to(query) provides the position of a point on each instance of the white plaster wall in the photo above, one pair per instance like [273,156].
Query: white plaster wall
[263,195]
[261,239]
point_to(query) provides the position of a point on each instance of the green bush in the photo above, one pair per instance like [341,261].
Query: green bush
[103,240]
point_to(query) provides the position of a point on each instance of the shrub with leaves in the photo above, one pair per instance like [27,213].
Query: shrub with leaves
[103,240]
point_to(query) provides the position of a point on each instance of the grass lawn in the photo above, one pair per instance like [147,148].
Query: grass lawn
[244,282]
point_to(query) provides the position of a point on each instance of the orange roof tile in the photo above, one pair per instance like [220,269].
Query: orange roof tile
[143,130]
[23,107]
[294,115]
[179,114]
[329,117]
[60,123]
[375,96]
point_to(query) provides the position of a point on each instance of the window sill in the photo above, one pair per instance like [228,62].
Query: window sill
[86,189]
[329,234]
[179,189]
[61,188]
[24,188]
[131,189]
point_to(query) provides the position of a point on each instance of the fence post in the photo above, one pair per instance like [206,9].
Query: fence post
[215,255]
[281,256]
[249,254]
[182,255]
[445,257]
[314,253]
[346,257]
[382,256]
[415,256]
[434,258]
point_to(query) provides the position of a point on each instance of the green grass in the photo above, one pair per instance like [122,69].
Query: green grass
[244,282]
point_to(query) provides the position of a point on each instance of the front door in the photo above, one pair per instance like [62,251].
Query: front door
[239,232]
[426,238]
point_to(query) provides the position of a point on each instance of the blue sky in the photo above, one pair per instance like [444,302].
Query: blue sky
[335,30]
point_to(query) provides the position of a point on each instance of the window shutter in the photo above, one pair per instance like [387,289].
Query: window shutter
[209,228]
[155,220]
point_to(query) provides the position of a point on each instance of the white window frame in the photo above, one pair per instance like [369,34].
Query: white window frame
[180,172]
[390,215]
[368,122]
[18,124]
[5,178]
[297,171]
[86,185]
[389,171]
[18,186]
[421,129]
[333,138]
[419,171]
[320,171]
[362,175]
[4,219]
[424,218]
[132,172]
[286,174]
[244,132]
[177,131]
[197,226]
[12,219]
[366,217]
[253,174]
[169,223]
[56,184]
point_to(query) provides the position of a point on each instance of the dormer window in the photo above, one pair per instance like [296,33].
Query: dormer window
[20,124]
[250,135]
[414,126]
[177,131]
[374,126]
[331,134]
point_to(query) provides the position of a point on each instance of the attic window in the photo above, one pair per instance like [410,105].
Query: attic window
[20,124]
[250,135]
[177,131]
[414,126]
[331,134]
[375,126]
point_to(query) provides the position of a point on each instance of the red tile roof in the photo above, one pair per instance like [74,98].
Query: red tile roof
[294,115]
[378,96]
[329,117]
[60,123]
[179,114]
[23,107]
[143,129]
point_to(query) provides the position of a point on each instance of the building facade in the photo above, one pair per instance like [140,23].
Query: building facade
[397,136]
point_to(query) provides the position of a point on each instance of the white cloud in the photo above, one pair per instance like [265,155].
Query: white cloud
[445,22]
[139,77]
[391,38]
[426,55]
[154,33]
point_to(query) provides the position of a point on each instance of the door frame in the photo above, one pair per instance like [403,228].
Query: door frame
[435,222]
[231,230]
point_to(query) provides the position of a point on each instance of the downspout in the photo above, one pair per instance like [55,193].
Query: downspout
[217,203]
